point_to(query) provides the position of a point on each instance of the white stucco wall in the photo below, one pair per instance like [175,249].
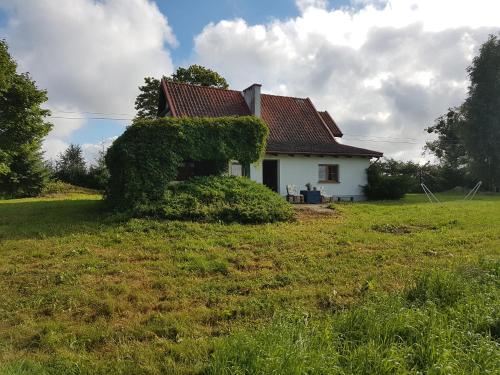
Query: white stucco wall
[299,170]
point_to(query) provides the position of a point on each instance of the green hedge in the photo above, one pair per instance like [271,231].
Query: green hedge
[219,199]
[147,156]
[382,186]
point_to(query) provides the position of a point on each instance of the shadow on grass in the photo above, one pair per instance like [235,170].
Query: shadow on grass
[51,218]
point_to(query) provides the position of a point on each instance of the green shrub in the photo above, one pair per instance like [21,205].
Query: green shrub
[382,186]
[147,156]
[437,177]
[220,198]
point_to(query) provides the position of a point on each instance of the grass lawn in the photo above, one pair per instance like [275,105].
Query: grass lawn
[83,293]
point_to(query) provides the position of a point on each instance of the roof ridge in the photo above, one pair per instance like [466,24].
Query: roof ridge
[202,86]
[284,96]
[223,89]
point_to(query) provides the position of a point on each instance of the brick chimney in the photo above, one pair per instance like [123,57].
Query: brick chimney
[252,97]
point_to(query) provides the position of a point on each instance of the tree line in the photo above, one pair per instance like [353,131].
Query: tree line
[70,167]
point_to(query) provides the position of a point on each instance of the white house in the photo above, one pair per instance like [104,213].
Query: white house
[302,146]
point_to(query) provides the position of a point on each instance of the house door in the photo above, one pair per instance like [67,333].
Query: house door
[270,174]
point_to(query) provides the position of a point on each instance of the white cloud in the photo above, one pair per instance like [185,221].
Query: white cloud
[53,147]
[382,68]
[91,150]
[89,55]
[303,5]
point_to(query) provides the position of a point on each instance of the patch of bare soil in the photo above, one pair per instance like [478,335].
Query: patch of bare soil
[313,211]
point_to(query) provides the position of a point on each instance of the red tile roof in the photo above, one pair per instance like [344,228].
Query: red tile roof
[295,126]
[330,122]
[203,101]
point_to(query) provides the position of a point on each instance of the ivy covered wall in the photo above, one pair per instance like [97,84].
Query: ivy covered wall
[147,156]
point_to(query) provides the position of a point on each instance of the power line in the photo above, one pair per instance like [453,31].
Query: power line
[130,119]
[93,113]
[380,141]
[364,139]
[92,118]
[130,114]
[383,137]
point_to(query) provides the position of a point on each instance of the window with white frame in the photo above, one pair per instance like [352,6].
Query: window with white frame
[328,173]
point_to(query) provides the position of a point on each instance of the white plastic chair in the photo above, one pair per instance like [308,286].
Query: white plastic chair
[322,191]
[291,190]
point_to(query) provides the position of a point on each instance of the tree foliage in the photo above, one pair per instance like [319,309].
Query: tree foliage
[198,75]
[147,101]
[22,129]
[385,186]
[438,177]
[448,147]
[481,130]
[7,67]
[71,167]
[469,135]
[147,156]
[98,174]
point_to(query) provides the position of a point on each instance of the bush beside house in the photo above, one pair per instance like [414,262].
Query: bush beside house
[383,186]
[145,160]
[220,198]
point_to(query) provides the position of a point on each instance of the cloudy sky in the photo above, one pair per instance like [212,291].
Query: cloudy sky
[385,69]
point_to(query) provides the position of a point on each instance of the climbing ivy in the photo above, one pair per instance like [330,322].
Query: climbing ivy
[147,156]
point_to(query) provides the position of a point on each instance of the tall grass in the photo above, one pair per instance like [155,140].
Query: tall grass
[85,293]
[446,323]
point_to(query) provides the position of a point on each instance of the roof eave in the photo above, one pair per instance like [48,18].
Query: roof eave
[371,155]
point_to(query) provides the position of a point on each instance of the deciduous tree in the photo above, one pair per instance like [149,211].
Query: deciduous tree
[147,101]
[199,75]
[449,147]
